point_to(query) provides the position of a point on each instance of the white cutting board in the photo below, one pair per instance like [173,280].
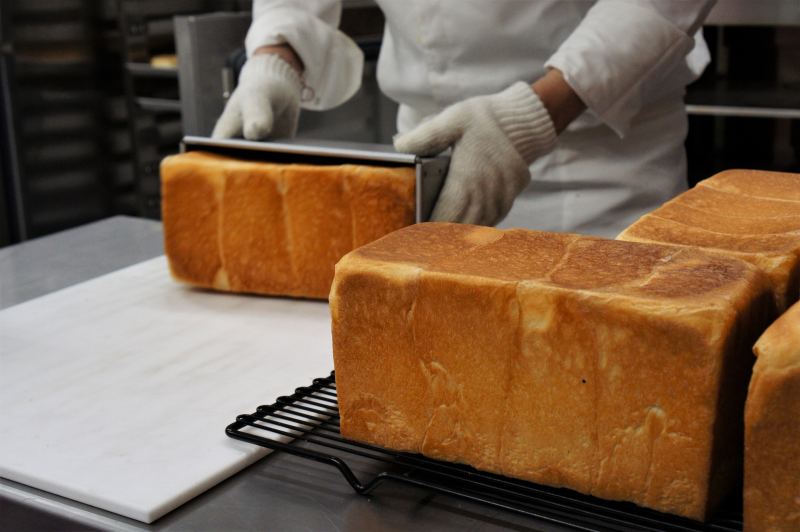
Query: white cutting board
[116,392]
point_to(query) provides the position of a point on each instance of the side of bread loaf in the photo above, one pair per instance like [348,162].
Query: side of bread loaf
[612,368]
[748,214]
[772,430]
[258,227]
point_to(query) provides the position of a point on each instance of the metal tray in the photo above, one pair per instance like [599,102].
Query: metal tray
[430,171]
[309,421]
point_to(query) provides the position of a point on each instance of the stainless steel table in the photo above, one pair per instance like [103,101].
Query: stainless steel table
[280,492]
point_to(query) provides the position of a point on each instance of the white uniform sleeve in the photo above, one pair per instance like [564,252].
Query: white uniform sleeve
[623,48]
[333,62]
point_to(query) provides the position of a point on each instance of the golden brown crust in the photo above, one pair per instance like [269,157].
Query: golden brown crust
[729,223]
[266,228]
[772,430]
[254,235]
[665,230]
[706,197]
[779,346]
[747,214]
[318,220]
[190,203]
[543,356]
[383,202]
[756,183]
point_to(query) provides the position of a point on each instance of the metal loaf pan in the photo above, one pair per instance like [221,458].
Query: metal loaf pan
[430,171]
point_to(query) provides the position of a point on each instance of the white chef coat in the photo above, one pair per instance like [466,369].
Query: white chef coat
[628,60]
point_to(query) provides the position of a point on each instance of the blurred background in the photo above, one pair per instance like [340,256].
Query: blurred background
[96,92]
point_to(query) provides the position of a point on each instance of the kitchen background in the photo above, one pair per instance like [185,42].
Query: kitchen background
[92,98]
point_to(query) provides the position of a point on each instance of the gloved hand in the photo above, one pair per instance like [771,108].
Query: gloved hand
[494,140]
[266,103]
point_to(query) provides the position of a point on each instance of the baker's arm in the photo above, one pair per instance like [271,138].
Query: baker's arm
[561,101]
[623,49]
[296,58]
[285,52]
[495,138]
[332,62]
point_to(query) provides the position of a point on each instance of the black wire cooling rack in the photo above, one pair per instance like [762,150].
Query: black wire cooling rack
[306,424]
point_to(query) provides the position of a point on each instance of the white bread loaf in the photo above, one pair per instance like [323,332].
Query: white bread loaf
[748,214]
[772,430]
[266,228]
[613,368]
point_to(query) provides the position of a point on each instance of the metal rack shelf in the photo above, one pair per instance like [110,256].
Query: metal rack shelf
[306,424]
[54,52]
[146,70]
[167,8]
[777,113]
[758,100]
[158,104]
[152,94]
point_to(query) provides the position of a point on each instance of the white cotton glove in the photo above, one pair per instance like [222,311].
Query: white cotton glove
[266,103]
[494,140]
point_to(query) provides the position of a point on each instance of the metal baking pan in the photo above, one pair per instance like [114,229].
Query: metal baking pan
[430,171]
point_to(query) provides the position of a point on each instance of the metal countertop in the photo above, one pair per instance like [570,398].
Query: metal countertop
[278,493]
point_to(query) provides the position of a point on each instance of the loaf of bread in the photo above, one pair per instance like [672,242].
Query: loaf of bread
[164,61]
[772,430]
[265,228]
[613,368]
[748,214]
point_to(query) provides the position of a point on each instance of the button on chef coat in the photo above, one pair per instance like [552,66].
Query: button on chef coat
[628,60]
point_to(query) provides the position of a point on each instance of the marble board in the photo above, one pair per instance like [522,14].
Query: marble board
[116,392]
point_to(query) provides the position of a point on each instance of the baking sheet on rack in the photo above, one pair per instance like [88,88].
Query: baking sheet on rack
[116,392]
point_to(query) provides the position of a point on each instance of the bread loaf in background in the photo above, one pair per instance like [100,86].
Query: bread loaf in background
[772,430]
[265,228]
[747,214]
[613,368]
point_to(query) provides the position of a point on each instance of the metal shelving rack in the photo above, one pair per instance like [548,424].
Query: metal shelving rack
[13,222]
[753,100]
[151,93]
[57,175]
[745,110]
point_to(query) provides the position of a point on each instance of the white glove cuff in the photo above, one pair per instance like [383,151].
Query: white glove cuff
[524,119]
[274,66]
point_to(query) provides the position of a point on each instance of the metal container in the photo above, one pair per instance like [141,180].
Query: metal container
[430,171]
